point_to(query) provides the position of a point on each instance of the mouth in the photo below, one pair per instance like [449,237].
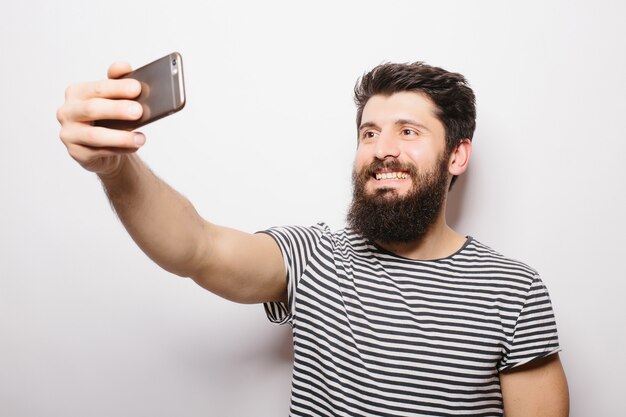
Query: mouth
[390,175]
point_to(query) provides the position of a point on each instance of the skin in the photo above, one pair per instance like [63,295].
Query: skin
[242,267]
[537,389]
[248,268]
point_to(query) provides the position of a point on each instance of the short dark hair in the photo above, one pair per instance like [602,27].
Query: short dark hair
[454,100]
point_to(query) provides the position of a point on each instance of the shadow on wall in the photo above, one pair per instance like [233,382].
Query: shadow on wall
[199,354]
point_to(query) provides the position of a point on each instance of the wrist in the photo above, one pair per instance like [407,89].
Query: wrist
[115,170]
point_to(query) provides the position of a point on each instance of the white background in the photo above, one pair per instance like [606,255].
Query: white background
[90,327]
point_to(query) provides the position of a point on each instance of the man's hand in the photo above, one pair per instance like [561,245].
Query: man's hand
[242,267]
[99,149]
[536,389]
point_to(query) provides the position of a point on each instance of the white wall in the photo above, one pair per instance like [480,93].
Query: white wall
[89,326]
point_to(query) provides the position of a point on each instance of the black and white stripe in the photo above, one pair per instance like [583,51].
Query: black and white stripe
[380,335]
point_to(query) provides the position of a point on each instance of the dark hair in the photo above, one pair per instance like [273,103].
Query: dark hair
[454,100]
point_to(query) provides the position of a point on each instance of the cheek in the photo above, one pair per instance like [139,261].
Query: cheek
[421,156]
[361,158]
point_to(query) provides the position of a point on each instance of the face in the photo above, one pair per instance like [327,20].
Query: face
[401,169]
[402,130]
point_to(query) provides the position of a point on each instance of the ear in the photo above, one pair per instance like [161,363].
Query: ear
[459,158]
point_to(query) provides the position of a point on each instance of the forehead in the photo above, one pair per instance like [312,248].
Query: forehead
[405,105]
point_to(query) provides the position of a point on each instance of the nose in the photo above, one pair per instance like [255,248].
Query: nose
[387,146]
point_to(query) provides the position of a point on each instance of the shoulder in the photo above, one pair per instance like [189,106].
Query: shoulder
[321,230]
[315,231]
[299,239]
[485,257]
[321,238]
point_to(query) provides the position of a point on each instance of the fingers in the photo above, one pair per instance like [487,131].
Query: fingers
[103,99]
[119,69]
[100,137]
[98,109]
[98,149]
[126,88]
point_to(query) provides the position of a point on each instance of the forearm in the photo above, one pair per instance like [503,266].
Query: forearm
[160,220]
[239,266]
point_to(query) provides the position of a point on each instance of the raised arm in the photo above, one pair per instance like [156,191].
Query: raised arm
[238,266]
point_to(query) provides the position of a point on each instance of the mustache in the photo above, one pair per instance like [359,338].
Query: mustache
[388,164]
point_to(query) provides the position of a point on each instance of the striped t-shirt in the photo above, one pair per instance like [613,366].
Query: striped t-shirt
[376,334]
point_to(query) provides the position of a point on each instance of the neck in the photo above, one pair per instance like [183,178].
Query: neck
[440,241]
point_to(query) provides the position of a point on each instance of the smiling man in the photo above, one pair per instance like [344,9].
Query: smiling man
[396,315]
[401,168]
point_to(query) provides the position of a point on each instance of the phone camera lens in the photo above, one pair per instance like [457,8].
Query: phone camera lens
[174,61]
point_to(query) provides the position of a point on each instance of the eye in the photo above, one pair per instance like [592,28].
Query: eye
[408,132]
[368,134]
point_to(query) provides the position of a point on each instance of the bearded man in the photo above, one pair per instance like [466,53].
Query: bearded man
[396,315]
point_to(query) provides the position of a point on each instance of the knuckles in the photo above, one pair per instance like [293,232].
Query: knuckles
[66,136]
[61,114]
[85,102]
[99,89]
[91,109]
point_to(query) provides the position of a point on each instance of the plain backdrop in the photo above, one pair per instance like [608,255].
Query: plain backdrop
[90,327]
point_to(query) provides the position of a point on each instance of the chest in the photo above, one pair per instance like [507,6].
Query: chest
[416,318]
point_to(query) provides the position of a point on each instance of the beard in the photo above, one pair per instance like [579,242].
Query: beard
[386,217]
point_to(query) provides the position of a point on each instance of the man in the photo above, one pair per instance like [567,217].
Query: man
[397,314]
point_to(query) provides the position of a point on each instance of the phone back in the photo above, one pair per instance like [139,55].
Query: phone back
[162,91]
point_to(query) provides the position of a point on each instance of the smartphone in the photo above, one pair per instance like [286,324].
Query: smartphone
[162,92]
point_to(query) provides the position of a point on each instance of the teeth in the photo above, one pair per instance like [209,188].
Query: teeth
[391,175]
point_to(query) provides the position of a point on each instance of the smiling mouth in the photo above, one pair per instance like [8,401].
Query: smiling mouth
[395,175]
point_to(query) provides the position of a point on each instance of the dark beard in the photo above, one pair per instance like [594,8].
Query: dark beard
[387,218]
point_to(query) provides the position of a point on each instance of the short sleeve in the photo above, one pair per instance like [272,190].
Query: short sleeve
[535,333]
[297,244]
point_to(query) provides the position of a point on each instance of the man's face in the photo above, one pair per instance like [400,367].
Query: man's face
[403,128]
[401,168]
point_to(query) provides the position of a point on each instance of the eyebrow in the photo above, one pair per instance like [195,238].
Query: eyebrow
[366,125]
[398,122]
